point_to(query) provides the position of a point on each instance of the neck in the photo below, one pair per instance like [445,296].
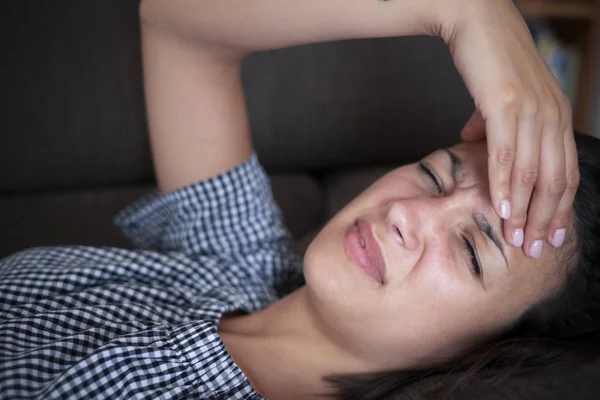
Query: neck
[285,352]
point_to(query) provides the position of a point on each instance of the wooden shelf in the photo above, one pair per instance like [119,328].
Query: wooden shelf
[564,9]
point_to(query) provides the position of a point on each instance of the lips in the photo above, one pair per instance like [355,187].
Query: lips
[362,248]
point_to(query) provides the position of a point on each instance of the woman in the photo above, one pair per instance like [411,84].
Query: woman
[416,271]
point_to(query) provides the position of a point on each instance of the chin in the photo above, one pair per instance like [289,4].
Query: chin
[335,283]
[320,261]
[324,265]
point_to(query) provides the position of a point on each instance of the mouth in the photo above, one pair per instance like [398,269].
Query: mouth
[362,248]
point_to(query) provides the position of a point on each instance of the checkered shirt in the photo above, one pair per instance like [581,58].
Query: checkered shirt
[105,323]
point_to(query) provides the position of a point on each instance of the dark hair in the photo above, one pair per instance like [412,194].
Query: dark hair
[558,333]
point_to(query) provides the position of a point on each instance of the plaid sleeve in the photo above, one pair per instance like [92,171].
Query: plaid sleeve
[232,216]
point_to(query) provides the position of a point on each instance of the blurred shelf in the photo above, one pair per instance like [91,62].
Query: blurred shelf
[565,9]
[579,22]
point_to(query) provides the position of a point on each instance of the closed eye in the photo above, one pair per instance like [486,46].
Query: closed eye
[473,260]
[429,172]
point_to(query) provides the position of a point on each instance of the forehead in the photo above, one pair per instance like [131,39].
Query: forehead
[527,279]
[471,158]
[471,150]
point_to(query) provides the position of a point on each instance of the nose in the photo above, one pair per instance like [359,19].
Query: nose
[401,221]
[408,219]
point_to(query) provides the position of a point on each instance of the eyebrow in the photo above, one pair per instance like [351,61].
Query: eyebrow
[480,219]
[484,226]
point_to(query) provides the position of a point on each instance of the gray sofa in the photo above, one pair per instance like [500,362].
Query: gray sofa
[327,120]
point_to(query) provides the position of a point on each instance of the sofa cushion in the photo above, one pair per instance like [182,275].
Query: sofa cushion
[84,217]
[78,217]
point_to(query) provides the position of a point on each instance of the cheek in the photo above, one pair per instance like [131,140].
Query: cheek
[448,298]
[432,311]
[437,297]
[435,278]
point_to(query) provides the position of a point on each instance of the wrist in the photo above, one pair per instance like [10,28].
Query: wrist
[434,16]
[450,16]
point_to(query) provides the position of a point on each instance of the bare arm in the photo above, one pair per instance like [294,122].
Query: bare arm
[191,56]
[196,113]
[253,25]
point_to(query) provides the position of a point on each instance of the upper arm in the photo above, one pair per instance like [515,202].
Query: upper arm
[195,108]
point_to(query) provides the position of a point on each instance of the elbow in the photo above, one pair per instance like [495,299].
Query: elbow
[151,11]
[167,15]
[179,19]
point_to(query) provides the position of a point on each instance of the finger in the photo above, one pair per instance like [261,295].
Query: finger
[474,129]
[501,140]
[548,192]
[524,176]
[562,217]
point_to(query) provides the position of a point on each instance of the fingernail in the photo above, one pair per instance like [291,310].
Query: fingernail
[559,237]
[517,237]
[504,209]
[535,250]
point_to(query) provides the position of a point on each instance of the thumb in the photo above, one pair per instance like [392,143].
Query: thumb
[474,129]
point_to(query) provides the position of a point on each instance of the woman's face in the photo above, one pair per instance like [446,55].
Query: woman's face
[392,276]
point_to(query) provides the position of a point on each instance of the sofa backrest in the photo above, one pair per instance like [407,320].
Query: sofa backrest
[73,113]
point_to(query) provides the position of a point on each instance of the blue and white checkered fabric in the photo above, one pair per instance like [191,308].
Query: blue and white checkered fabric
[89,323]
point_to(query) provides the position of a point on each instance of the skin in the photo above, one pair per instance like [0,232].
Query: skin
[430,285]
[430,307]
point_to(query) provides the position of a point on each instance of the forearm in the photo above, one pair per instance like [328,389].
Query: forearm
[253,25]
